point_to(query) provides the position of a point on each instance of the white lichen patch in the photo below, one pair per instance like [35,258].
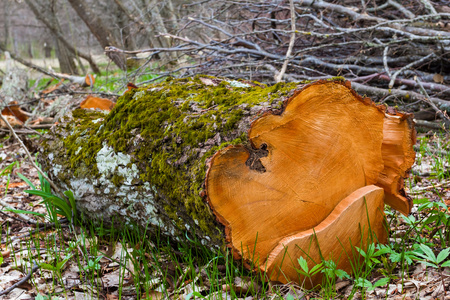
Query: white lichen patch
[138,95]
[56,169]
[235,83]
[109,162]
[80,187]
[128,173]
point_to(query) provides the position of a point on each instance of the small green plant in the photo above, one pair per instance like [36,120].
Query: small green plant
[305,271]
[57,267]
[42,297]
[93,264]
[430,259]
[366,284]
[54,204]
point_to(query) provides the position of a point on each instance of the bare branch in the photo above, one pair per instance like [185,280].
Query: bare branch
[279,76]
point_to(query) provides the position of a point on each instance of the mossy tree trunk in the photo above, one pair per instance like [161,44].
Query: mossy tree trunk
[238,164]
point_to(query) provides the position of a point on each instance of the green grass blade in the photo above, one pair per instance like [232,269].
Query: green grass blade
[20,211]
[56,201]
[73,205]
[26,180]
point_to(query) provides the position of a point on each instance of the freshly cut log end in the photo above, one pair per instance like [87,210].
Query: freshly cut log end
[326,145]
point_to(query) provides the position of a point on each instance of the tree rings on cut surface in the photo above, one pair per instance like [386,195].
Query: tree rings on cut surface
[323,155]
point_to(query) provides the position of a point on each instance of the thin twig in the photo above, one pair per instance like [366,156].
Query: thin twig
[429,6]
[22,281]
[431,125]
[440,113]
[45,226]
[430,187]
[279,76]
[408,66]
[385,63]
[52,184]
[19,218]
[23,217]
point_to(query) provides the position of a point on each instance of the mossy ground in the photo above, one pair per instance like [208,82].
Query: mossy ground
[170,129]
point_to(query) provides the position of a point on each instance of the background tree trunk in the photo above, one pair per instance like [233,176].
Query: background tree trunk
[65,57]
[62,44]
[104,34]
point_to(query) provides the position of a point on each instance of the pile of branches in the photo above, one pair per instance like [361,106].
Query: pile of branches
[393,51]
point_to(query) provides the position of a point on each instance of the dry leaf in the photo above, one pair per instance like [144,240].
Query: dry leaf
[95,102]
[5,254]
[89,80]
[13,109]
[12,121]
[131,86]
[14,185]
[438,78]
[52,88]
[155,295]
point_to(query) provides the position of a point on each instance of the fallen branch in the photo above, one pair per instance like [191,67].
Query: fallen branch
[410,95]
[38,229]
[23,217]
[87,80]
[279,76]
[431,125]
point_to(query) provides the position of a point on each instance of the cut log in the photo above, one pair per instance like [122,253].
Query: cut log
[268,172]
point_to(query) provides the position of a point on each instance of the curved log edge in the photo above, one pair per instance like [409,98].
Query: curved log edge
[356,221]
[399,137]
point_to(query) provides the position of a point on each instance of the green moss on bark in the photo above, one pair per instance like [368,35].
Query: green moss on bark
[169,131]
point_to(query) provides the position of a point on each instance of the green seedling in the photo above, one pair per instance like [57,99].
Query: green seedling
[7,171]
[305,271]
[42,297]
[54,204]
[93,264]
[57,267]
[430,259]
[366,284]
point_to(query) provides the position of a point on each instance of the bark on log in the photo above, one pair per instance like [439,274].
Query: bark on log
[270,172]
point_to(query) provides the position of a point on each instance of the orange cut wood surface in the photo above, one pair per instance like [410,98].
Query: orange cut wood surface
[316,159]
[398,153]
[333,238]
[99,103]
[325,145]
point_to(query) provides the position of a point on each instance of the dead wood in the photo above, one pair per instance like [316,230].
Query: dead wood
[258,175]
